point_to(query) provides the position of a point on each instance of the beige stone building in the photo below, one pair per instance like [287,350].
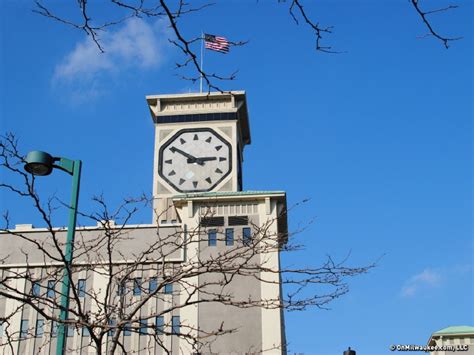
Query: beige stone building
[451,340]
[168,270]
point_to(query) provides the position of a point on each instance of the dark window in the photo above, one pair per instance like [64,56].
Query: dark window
[137,286]
[212,221]
[85,332]
[175,325]
[36,289]
[54,329]
[152,285]
[229,236]
[169,288]
[212,237]
[122,288]
[69,330]
[81,288]
[24,328]
[247,236]
[160,325]
[143,327]
[112,324]
[39,331]
[238,220]
[127,330]
[50,290]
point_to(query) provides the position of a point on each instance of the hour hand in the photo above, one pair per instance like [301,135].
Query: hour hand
[203,159]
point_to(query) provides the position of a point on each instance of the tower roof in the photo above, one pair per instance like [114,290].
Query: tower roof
[208,106]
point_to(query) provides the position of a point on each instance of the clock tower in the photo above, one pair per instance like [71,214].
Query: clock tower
[199,144]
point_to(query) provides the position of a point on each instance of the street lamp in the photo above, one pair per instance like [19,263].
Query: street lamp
[42,164]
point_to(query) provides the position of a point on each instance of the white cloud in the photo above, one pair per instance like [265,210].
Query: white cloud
[427,279]
[136,45]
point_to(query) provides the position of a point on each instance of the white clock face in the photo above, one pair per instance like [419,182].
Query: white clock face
[195,160]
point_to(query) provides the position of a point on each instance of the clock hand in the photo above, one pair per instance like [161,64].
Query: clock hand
[202,160]
[191,159]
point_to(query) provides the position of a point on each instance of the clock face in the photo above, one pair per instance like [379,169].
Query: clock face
[195,160]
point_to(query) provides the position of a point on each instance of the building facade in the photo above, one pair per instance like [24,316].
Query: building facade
[204,277]
[451,340]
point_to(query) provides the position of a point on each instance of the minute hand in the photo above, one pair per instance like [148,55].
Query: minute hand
[203,159]
[189,156]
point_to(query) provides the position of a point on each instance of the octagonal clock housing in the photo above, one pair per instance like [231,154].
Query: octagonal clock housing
[195,160]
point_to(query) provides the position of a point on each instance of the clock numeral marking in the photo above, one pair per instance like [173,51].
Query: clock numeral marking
[181,181]
[182,141]
[218,171]
[169,161]
[209,140]
[218,147]
[172,172]
[195,183]
[196,137]
[222,159]
[209,180]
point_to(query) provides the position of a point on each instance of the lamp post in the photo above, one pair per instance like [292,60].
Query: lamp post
[42,164]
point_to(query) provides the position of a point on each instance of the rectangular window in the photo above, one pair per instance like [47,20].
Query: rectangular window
[50,290]
[127,330]
[212,221]
[247,236]
[175,325]
[36,289]
[169,288]
[152,285]
[212,237]
[1,328]
[81,288]
[112,324]
[54,329]
[122,288]
[69,330]
[143,327]
[137,286]
[39,330]
[238,220]
[229,236]
[160,325]
[24,328]
[85,332]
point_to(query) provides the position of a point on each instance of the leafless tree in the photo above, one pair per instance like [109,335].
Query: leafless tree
[135,281]
[174,12]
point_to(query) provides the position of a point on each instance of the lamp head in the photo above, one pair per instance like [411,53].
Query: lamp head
[39,163]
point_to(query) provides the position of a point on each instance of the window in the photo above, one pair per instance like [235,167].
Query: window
[24,328]
[175,325]
[1,328]
[238,220]
[50,293]
[137,286]
[36,289]
[127,330]
[247,236]
[69,330]
[122,288]
[160,324]
[54,329]
[143,327]
[81,288]
[112,324]
[39,330]
[212,221]
[85,332]
[229,236]
[169,288]
[212,237]
[152,285]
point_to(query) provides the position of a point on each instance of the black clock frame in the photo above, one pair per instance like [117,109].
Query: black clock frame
[187,130]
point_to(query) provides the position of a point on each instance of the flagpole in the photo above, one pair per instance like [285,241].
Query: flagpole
[202,60]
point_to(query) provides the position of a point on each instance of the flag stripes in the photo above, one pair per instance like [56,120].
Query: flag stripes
[216,43]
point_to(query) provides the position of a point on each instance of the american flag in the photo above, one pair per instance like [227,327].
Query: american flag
[216,43]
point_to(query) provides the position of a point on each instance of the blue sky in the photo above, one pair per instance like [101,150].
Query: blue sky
[378,138]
